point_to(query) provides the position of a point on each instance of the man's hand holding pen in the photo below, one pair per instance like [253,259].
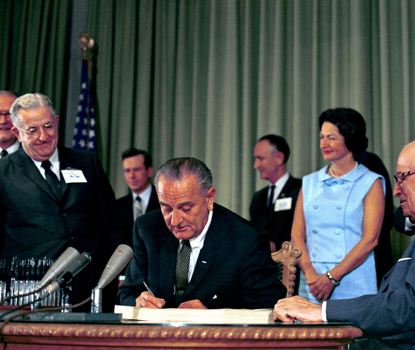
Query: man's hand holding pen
[147,299]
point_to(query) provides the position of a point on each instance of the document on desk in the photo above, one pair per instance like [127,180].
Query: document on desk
[199,316]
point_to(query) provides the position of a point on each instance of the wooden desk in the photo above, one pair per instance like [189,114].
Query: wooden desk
[40,336]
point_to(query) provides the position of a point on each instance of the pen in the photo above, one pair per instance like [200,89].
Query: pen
[148,288]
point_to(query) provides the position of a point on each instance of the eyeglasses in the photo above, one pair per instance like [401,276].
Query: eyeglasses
[401,178]
[36,131]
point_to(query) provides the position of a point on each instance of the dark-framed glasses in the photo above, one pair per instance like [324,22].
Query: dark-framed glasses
[401,178]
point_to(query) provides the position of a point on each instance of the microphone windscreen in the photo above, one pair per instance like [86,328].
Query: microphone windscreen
[59,266]
[79,263]
[119,259]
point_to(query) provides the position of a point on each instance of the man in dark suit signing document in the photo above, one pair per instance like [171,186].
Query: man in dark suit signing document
[194,253]
[387,318]
[52,198]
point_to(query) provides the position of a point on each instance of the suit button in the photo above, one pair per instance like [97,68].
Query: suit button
[64,214]
[71,238]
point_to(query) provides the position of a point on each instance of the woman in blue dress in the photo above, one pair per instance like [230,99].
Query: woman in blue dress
[339,215]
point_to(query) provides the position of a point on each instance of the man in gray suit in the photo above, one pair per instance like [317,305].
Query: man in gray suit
[388,316]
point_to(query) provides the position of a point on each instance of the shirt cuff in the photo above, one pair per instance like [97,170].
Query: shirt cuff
[323,311]
[408,224]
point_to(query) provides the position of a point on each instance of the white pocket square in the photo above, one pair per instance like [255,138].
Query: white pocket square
[215,297]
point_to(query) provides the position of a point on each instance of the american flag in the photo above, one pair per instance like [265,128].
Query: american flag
[85,131]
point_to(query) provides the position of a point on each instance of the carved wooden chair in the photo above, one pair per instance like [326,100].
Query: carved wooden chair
[287,258]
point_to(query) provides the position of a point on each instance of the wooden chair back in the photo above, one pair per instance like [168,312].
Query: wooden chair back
[287,257]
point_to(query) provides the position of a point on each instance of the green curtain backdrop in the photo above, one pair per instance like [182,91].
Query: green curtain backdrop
[34,45]
[207,78]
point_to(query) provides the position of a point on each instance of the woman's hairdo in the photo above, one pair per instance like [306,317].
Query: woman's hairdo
[350,124]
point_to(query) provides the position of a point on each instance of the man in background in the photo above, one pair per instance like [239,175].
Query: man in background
[52,198]
[8,141]
[272,208]
[138,170]
[388,316]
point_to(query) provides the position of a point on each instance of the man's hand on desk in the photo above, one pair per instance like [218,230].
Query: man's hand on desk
[297,308]
[147,299]
[192,304]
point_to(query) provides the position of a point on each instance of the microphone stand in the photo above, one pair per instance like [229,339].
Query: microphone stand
[96,300]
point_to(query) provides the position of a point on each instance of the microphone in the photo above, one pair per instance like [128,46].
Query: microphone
[119,259]
[60,265]
[66,275]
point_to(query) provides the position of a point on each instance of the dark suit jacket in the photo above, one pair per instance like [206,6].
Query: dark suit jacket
[126,216]
[234,268]
[389,312]
[35,223]
[277,224]
[383,251]
[399,222]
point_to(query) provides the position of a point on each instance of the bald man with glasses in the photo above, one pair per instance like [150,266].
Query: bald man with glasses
[387,318]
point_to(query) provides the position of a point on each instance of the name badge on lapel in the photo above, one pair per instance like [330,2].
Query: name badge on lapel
[73,176]
[283,204]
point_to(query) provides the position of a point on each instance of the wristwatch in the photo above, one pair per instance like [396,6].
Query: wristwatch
[332,279]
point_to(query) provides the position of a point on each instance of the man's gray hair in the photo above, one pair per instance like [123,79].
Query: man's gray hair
[29,101]
[176,169]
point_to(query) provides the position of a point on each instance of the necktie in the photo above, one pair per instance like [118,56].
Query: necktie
[4,153]
[51,178]
[138,208]
[271,197]
[182,269]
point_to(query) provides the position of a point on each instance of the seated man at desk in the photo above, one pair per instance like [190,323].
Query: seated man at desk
[193,253]
[389,315]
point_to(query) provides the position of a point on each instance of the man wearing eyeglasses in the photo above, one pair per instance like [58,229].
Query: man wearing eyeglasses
[8,142]
[54,197]
[387,318]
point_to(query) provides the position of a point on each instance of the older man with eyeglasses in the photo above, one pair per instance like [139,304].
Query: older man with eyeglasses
[387,318]
[8,142]
[54,197]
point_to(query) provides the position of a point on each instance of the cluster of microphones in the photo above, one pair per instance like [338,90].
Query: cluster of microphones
[68,265]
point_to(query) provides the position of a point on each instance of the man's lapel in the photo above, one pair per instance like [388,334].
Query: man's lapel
[207,254]
[30,170]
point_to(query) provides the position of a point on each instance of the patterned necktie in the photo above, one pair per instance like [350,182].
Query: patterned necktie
[271,197]
[4,153]
[51,178]
[182,269]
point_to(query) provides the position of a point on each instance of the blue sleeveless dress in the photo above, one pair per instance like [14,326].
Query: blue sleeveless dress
[333,209]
